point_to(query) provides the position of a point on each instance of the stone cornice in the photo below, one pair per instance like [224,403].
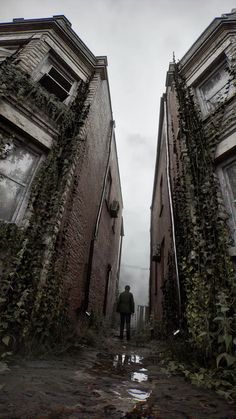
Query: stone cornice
[218,28]
[62,28]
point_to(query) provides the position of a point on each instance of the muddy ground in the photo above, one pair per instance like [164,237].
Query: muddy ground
[117,381]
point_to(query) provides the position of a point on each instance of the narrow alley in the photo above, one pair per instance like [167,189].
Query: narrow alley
[118,380]
[118,224]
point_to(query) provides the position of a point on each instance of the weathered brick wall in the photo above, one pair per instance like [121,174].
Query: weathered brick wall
[160,230]
[83,204]
[107,250]
[32,54]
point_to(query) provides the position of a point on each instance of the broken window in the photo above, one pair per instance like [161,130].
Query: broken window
[17,166]
[55,82]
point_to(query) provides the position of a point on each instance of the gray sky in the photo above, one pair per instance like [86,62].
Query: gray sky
[139,37]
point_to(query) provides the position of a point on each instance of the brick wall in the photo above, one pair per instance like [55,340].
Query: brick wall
[82,208]
[32,54]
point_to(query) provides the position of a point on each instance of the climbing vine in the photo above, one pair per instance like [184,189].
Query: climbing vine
[33,301]
[170,302]
[206,273]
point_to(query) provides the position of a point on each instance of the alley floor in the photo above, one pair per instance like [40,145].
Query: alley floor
[117,381]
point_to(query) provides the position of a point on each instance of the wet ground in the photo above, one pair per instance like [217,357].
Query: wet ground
[119,381]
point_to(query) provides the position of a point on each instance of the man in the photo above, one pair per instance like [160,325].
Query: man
[125,307]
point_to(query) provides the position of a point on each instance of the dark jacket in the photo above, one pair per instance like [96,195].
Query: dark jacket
[125,303]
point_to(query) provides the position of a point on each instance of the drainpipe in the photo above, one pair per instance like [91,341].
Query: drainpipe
[172,211]
[98,218]
[120,250]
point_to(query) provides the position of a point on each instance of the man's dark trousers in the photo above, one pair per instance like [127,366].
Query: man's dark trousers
[125,318]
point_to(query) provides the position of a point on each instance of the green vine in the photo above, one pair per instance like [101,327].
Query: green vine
[170,300]
[33,300]
[205,269]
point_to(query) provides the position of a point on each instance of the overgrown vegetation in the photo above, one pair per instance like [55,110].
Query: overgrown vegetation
[207,276]
[33,301]
[178,358]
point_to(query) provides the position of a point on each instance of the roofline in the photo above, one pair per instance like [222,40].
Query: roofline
[61,25]
[206,36]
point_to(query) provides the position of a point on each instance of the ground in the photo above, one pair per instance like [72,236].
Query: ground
[119,380]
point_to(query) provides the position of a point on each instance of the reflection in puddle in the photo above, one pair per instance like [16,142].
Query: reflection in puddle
[138,394]
[139,376]
[136,359]
[123,359]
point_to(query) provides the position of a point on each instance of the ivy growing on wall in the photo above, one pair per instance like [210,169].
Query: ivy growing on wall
[206,273]
[33,301]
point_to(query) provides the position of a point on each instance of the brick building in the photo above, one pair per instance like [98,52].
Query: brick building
[61,202]
[193,213]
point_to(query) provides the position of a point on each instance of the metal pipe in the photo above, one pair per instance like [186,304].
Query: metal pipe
[171,208]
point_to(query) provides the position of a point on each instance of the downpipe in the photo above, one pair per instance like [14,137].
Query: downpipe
[172,217]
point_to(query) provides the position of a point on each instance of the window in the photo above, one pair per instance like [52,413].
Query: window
[162,267]
[230,177]
[227,174]
[108,279]
[54,82]
[56,77]
[18,164]
[108,189]
[161,197]
[215,88]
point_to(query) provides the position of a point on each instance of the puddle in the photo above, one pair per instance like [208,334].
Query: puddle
[139,394]
[130,366]
[139,376]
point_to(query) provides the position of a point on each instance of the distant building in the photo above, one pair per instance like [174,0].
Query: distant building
[60,193]
[193,210]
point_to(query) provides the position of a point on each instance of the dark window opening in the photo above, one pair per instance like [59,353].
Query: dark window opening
[161,197]
[108,276]
[108,188]
[162,273]
[155,278]
[55,83]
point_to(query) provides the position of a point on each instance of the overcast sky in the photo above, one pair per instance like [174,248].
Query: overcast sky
[139,38]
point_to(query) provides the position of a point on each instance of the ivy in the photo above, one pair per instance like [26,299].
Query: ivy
[207,277]
[33,301]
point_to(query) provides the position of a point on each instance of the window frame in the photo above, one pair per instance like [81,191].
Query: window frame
[227,194]
[108,189]
[21,206]
[51,61]
[220,65]
[161,196]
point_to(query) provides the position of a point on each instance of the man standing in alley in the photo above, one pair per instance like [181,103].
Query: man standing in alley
[125,307]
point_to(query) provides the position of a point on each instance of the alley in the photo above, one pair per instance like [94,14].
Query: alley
[118,380]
